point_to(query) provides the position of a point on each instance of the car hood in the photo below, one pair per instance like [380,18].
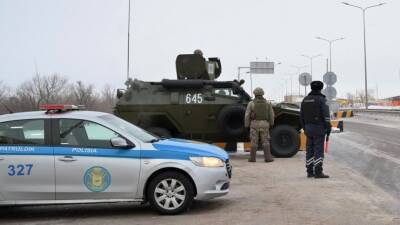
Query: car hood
[190,148]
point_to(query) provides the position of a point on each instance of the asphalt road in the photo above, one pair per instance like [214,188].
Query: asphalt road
[370,145]
[276,193]
[375,136]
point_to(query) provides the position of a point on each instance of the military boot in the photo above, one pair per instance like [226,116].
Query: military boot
[253,154]
[267,154]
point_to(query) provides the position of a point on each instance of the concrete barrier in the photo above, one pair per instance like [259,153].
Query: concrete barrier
[344,114]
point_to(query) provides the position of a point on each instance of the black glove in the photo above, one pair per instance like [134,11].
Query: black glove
[328,129]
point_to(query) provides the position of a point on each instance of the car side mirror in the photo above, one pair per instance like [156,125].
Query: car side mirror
[119,142]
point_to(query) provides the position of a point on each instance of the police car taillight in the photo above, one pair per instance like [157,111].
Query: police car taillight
[60,108]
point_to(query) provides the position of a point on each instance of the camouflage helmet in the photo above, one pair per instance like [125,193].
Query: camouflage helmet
[258,91]
[198,51]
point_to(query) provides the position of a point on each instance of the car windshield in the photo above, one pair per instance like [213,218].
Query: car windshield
[129,128]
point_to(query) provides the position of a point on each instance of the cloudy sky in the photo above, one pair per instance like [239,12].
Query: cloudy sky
[86,40]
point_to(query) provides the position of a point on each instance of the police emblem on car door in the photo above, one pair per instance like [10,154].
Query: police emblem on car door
[89,167]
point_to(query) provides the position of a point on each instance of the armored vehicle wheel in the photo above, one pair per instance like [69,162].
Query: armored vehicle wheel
[231,147]
[170,193]
[161,132]
[231,120]
[285,141]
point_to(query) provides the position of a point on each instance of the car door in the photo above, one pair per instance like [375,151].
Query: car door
[26,161]
[88,167]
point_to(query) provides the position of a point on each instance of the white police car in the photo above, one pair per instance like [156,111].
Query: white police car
[64,156]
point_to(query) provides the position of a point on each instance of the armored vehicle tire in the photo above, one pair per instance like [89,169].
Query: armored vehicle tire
[170,193]
[231,147]
[231,120]
[159,131]
[285,141]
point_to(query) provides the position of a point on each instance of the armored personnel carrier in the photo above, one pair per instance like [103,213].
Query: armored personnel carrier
[195,106]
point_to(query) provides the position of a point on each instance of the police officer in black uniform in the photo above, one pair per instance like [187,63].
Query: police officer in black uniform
[316,123]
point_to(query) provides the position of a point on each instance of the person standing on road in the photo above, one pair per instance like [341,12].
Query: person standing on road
[259,118]
[315,120]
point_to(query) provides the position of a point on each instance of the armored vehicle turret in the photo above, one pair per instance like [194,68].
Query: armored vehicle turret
[195,106]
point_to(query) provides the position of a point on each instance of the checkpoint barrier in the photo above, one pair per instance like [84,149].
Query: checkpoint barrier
[344,114]
[246,146]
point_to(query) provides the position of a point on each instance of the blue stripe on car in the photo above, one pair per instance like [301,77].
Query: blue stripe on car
[166,149]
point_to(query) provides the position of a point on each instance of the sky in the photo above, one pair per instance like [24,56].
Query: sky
[87,40]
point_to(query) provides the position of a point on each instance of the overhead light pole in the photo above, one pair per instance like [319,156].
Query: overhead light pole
[364,9]
[330,48]
[128,47]
[311,58]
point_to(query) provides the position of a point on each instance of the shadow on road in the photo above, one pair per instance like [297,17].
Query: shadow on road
[76,211]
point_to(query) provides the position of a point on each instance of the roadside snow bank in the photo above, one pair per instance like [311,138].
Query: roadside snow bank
[380,168]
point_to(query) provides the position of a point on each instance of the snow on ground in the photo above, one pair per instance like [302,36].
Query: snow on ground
[367,156]
[378,119]
[384,107]
[377,107]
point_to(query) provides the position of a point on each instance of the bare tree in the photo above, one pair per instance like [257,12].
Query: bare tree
[4,95]
[361,95]
[41,90]
[108,99]
[3,90]
[84,94]
[55,89]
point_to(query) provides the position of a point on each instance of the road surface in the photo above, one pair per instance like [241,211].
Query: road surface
[277,193]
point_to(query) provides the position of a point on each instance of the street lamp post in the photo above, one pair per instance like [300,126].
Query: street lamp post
[128,47]
[365,45]
[311,58]
[239,68]
[330,48]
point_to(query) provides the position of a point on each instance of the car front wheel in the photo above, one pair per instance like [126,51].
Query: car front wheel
[170,193]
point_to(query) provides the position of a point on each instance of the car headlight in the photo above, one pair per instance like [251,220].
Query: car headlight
[207,161]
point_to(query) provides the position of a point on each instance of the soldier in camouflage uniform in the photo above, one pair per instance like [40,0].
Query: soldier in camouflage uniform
[259,118]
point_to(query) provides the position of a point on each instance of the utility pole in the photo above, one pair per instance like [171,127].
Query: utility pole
[365,45]
[311,58]
[129,29]
[330,48]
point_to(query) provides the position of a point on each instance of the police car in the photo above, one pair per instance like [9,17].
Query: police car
[64,155]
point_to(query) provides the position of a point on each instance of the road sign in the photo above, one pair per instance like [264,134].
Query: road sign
[305,79]
[330,78]
[330,92]
[262,67]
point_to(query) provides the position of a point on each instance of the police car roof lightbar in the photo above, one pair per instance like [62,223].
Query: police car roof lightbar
[59,107]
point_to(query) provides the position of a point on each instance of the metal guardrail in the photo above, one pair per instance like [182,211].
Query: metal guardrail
[378,111]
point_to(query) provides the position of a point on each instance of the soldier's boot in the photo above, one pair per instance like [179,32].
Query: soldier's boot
[267,153]
[253,153]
